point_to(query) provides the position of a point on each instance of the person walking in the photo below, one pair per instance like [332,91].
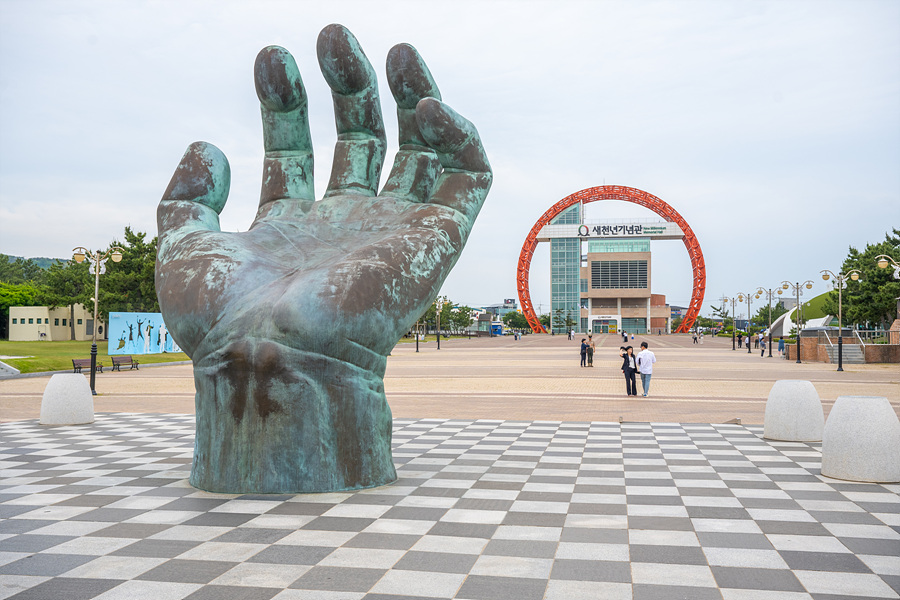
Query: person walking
[740,339]
[701,338]
[756,341]
[583,351]
[590,351]
[762,344]
[629,368]
[624,337]
[695,337]
[780,347]
[645,360]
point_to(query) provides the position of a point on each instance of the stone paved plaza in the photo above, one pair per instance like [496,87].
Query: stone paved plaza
[516,480]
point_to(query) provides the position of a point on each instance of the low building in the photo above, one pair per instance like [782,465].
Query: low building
[41,323]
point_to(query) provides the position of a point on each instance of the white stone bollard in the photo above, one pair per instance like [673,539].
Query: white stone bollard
[794,412]
[862,440]
[67,401]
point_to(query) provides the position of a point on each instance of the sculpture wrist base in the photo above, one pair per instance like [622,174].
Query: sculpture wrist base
[271,419]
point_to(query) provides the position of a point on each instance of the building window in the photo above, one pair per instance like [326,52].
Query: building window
[64,322]
[56,322]
[46,321]
[31,321]
[14,321]
[79,321]
[618,274]
[630,245]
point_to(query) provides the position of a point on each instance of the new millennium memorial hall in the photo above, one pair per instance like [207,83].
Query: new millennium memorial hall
[600,270]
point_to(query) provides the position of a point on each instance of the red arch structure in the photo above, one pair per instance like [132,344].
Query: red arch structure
[625,194]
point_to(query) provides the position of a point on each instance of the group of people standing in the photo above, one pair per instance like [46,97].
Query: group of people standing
[632,364]
[587,351]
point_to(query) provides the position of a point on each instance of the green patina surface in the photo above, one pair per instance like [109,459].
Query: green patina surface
[289,323]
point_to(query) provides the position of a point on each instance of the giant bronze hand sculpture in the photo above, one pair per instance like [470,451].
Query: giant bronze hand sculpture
[289,323]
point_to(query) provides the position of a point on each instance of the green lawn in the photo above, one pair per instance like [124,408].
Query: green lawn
[57,356]
[815,308]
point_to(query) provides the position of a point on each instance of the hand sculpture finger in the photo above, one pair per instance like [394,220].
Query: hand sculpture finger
[359,151]
[288,164]
[196,195]
[466,179]
[416,166]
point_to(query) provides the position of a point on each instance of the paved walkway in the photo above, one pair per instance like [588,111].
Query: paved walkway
[537,377]
[516,481]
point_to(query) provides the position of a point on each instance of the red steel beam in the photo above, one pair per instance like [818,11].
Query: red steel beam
[625,194]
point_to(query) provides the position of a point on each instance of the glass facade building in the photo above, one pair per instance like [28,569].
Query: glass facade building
[565,275]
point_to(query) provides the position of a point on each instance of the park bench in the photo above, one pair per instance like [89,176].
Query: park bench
[123,361]
[84,363]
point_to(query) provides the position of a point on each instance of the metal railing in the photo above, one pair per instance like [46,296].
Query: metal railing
[873,336]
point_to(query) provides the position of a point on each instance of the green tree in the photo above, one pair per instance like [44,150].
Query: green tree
[20,270]
[515,320]
[676,322]
[460,318]
[559,319]
[720,312]
[68,283]
[872,300]
[128,286]
[762,315]
[16,294]
[545,320]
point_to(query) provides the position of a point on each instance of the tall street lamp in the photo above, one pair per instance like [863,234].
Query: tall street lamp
[840,282]
[797,290]
[439,304]
[769,293]
[733,325]
[98,266]
[741,299]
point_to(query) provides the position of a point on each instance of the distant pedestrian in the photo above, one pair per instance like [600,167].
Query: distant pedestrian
[762,344]
[629,368]
[780,347]
[583,351]
[645,360]
[756,341]
[695,337]
[740,340]
[590,351]
[701,338]
[624,337]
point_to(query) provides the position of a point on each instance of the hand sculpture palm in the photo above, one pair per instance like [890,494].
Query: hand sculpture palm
[289,323]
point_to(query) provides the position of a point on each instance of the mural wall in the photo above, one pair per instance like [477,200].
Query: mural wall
[139,333]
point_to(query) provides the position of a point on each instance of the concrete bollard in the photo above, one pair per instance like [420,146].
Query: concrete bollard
[862,440]
[794,412]
[67,400]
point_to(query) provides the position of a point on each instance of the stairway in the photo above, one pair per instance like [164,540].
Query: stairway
[853,354]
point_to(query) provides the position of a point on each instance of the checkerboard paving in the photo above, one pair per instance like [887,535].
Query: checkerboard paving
[482,510]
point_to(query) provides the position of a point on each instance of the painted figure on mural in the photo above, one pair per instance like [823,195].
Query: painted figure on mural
[289,323]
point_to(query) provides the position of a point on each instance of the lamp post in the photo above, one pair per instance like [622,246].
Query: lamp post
[98,266]
[733,325]
[439,304]
[417,336]
[769,293]
[741,298]
[884,260]
[797,290]
[840,282]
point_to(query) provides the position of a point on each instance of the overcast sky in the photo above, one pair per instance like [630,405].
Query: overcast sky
[772,127]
